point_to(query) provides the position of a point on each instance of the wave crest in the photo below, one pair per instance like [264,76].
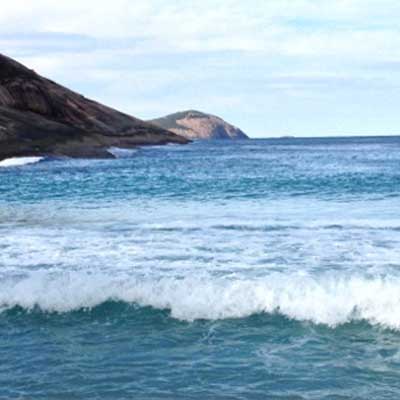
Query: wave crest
[326,300]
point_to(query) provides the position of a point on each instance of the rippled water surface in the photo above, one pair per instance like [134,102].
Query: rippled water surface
[256,269]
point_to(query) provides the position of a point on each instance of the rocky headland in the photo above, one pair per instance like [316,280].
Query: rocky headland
[39,117]
[194,125]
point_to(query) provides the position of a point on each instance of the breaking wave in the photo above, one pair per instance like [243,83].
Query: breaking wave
[119,152]
[324,300]
[19,161]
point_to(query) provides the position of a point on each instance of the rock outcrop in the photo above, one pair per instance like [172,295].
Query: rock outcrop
[39,117]
[197,125]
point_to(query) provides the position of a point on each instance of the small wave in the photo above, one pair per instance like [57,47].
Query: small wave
[169,147]
[120,152]
[325,300]
[19,161]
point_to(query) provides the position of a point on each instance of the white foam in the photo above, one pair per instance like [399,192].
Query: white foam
[327,300]
[19,161]
[120,152]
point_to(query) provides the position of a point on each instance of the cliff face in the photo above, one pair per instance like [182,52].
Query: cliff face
[197,125]
[40,117]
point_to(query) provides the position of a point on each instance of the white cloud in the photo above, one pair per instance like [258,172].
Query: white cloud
[152,57]
[213,26]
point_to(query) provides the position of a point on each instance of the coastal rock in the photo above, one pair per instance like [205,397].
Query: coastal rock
[39,117]
[194,124]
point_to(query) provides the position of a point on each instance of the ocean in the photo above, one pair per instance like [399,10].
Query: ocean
[261,269]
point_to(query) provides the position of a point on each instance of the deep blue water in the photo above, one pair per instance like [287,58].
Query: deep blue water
[262,269]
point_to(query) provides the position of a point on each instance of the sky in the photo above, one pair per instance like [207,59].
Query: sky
[271,67]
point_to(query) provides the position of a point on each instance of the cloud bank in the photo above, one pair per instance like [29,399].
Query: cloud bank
[272,67]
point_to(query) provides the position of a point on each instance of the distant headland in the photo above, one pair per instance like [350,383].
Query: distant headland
[193,125]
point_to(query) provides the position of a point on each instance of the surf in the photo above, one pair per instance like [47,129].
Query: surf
[19,161]
[327,299]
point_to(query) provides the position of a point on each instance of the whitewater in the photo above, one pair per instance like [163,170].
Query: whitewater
[19,161]
[169,271]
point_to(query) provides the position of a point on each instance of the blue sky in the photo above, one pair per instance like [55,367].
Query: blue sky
[271,67]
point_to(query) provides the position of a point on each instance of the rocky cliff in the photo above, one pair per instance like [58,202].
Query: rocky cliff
[40,117]
[198,125]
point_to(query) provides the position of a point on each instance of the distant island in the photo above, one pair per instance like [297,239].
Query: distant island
[193,125]
[38,117]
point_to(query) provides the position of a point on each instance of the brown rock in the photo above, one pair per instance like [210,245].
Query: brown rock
[40,117]
[198,125]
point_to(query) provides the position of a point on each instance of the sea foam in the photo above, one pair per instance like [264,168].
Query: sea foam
[19,161]
[325,300]
[120,152]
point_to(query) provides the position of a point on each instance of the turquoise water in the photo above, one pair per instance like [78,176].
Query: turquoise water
[263,269]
